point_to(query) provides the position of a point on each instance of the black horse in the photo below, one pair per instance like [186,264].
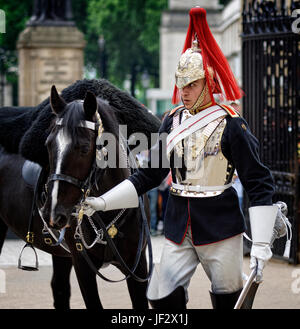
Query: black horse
[24,130]
[73,171]
[77,162]
[14,122]
[16,199]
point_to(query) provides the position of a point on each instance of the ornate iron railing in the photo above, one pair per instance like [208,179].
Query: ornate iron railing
[271,82]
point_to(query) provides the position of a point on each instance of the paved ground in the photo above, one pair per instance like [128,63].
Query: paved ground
[20,289]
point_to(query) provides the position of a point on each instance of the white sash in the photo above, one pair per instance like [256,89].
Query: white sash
[193,124]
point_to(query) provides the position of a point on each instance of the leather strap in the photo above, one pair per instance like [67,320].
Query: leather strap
[144,229]
[84,124]
[66,178]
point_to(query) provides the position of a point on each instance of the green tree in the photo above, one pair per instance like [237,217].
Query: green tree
[16,15]
[130,29]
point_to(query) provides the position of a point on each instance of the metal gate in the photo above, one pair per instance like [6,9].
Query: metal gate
[271,82]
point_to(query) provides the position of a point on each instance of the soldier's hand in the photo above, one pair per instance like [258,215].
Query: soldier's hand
[260,254]
[88,210]
[97,204]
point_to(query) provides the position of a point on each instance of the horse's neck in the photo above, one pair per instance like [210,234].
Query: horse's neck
[114,176]
[111,178]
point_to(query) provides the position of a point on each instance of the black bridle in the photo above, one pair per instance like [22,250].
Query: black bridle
[69,179]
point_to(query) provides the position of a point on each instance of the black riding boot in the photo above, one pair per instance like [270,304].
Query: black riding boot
[224,301]
[174,301]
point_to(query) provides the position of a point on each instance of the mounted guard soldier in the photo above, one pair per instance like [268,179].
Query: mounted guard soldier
[204,143]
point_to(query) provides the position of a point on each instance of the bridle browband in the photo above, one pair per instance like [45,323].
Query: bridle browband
[83,123]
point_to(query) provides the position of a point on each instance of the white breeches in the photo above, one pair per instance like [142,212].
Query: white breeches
[222,262]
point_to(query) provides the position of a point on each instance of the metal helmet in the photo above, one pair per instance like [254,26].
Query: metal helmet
[202,57]
[190,67]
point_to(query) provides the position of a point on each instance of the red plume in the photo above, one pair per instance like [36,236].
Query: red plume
[212,56]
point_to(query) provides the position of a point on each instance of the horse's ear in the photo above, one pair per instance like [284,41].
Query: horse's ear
[57,103]
[90,105]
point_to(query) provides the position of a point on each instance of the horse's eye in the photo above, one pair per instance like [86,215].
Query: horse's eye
[83,149]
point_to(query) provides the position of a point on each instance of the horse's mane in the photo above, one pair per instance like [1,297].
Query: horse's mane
[74,114]
[14,121]
[108,117]
[27,132]
[71,118]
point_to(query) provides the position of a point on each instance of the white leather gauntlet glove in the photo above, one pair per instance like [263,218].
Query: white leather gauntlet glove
[262,220]
[260,254]
[93,204]
[123,195]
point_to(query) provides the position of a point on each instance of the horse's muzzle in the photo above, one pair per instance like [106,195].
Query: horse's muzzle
[59,222]
[59,218]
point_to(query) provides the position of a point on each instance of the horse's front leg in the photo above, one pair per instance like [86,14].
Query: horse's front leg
[137,290]
[60,282]
[87,281]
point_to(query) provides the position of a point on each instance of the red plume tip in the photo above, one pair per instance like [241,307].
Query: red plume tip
[198,11]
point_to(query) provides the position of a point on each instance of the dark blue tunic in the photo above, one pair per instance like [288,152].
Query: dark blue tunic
[215,218]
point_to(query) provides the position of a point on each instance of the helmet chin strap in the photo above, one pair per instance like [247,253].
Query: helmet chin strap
[200,99]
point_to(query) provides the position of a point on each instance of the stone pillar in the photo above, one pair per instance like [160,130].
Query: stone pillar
[48,55]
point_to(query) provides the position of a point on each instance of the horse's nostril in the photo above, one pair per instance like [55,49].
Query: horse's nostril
[60,221]
[57,219]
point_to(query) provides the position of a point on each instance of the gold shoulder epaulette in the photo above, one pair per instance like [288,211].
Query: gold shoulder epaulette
[175,109]
[230,110]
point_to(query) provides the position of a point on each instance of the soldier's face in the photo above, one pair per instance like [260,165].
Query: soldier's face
[191,92]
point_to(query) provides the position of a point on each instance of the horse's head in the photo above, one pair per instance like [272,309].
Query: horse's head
[71,147]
